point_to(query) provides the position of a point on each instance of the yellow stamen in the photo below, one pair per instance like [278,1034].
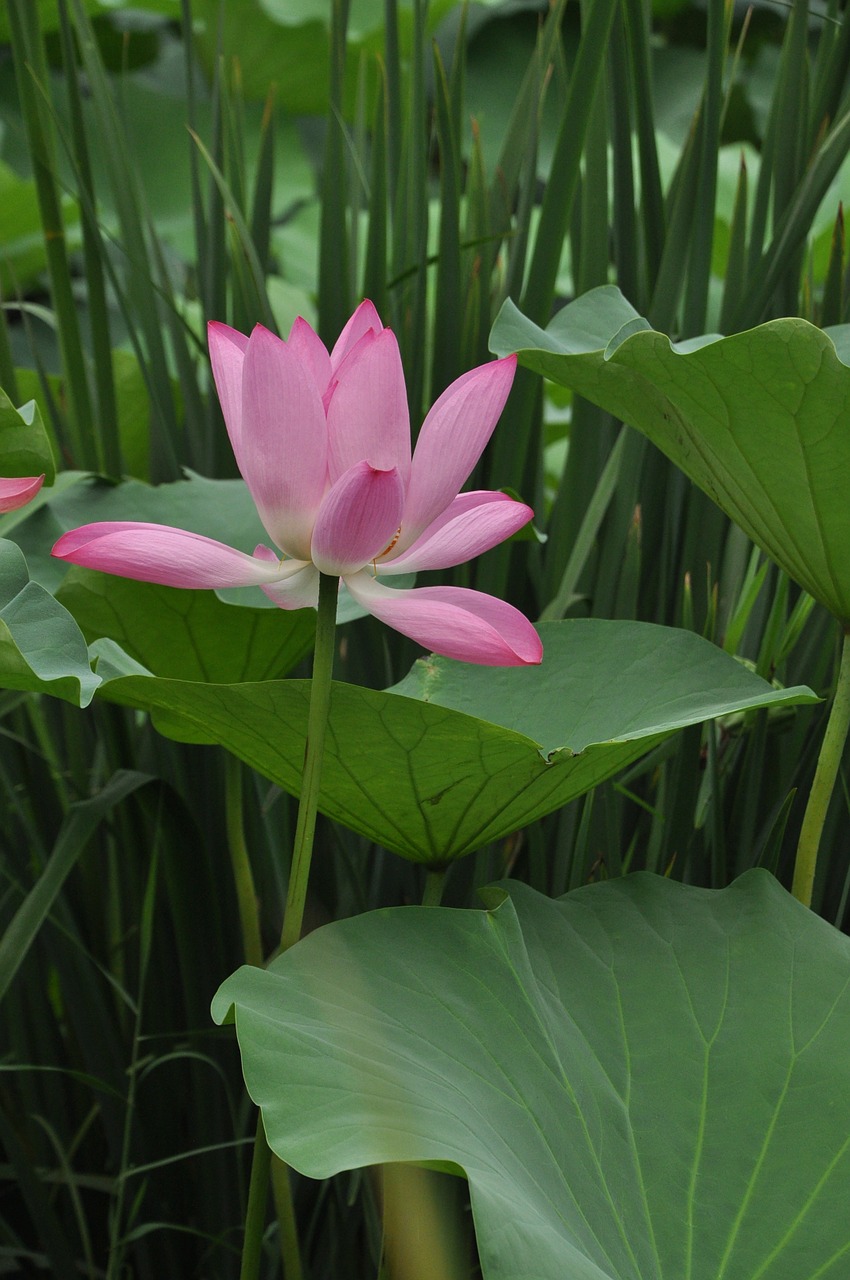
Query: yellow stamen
[385,551]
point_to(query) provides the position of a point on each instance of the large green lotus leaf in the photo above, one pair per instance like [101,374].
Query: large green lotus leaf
[642,1080]
[41,647]
[434,782]
[188,635]
[600,682]
[758,420]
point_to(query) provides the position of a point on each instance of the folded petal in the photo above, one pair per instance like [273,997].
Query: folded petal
[470,525]
[283,447]
[451,441]
[298,590]
[368,419]
[358,519]
[227,355]
[16,493]
[452,621]
[364,319]
[158,553]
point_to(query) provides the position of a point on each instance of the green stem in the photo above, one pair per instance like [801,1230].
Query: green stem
[320,699]
[826,772]
[246,896]
[264,1162]
[290,1251]
[433,891]
[258,1190]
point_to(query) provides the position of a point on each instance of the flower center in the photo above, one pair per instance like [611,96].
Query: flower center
[386,551]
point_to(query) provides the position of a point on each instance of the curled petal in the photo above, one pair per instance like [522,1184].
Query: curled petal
[358,519]
[227,355]
[283,448]
[364,319]
[469,526]
[452,621]
[158,553]
[451,441]
[367,412]
[297,588]
[18,492]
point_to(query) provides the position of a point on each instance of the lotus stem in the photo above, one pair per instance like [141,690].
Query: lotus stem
[320,700]
[264,1161]
[246,895]
[432,895]
[255,1217]
[826,773]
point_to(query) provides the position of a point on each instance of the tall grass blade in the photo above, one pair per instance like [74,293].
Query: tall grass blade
[80,822]
[255,297]
[448,356]
[793,228]
[32,81]
[587,533]
[702,233]
[57,1251]
[625,242]
[790,158]
[334,234]
[832,302]
[556,209]
[653,217]
[106,441]
[147,292]
[734,283]
[375,264]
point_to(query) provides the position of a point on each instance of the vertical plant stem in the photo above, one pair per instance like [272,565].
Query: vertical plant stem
[246,896]
[299,873]
[433,892]
[826,772]
[425,1227]
[263,1164]
[263,1161]
[290,1250]
[258,1190]
[320,698]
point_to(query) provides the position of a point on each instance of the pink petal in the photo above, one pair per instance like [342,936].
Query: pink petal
[158,553]
[364,319]
[451,441]
[304,342]
[358,519]
[18,492]
[452,621]
[298,591]
[283,453]
[227,354]
[469,526]
[367,414]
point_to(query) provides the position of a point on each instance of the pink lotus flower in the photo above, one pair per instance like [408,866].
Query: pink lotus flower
[323,442]
[17,493]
